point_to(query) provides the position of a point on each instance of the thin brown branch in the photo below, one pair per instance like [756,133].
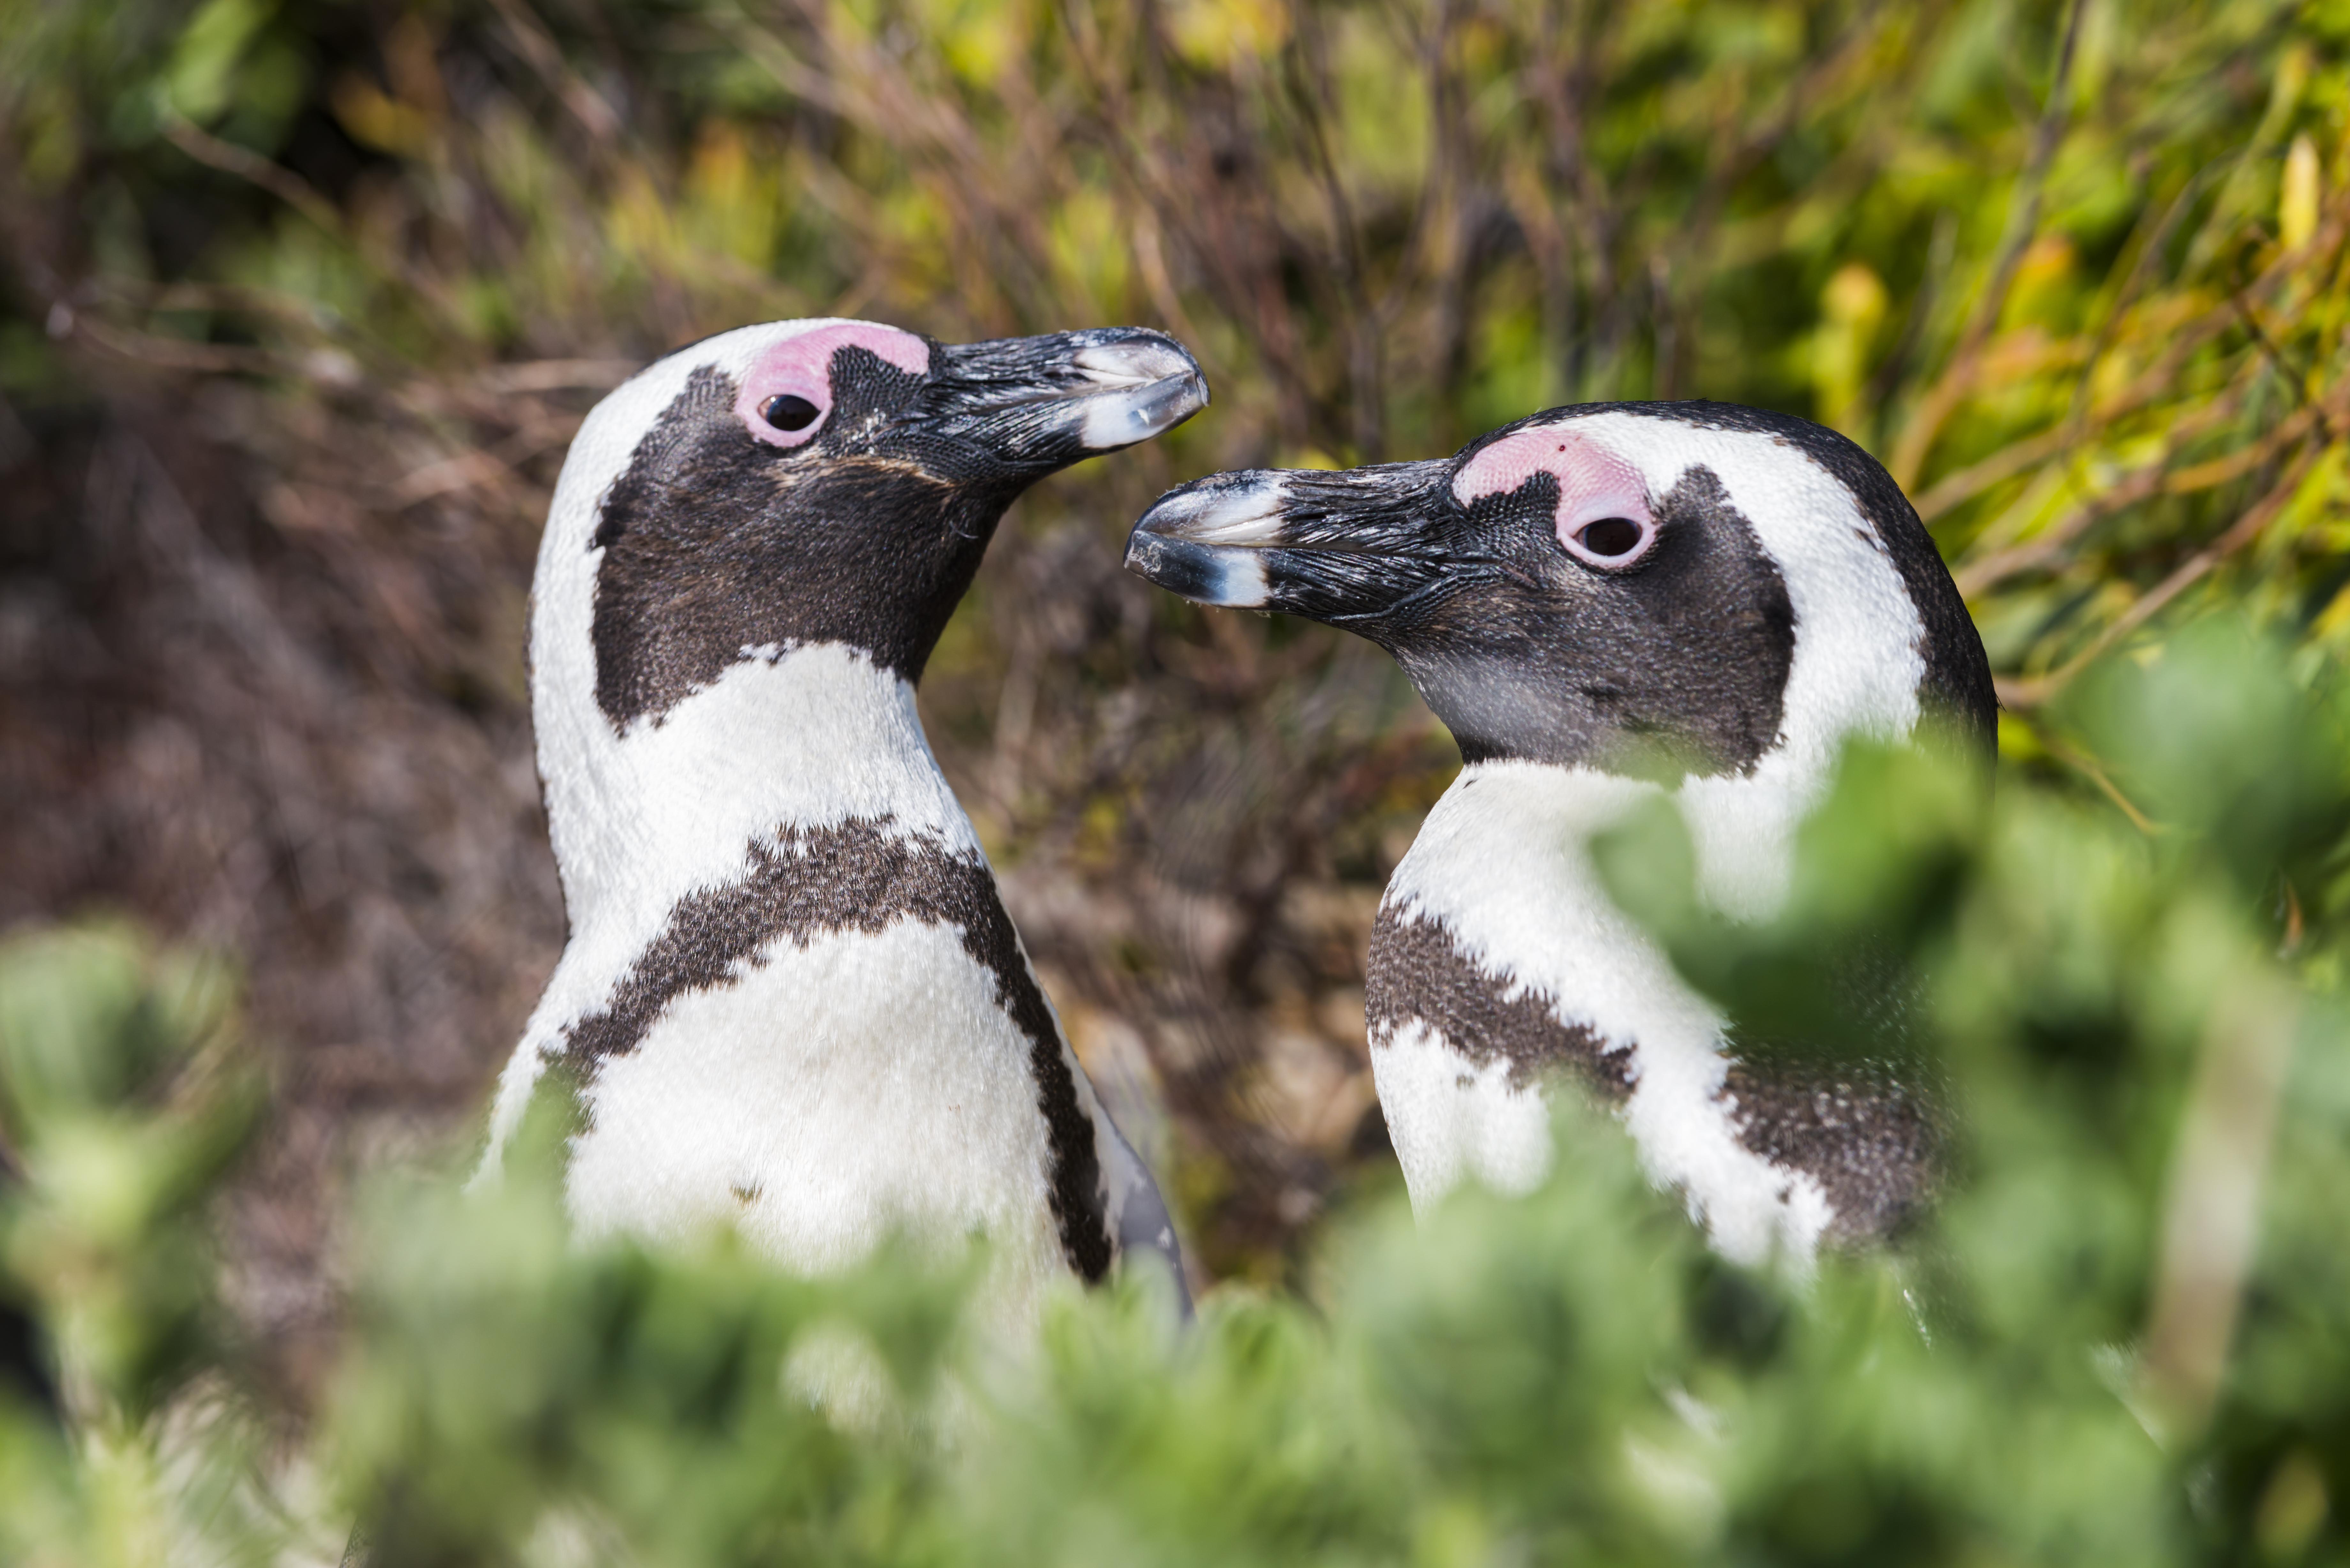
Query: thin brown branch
[2088,768]
[2046,549]
[157,352]
[2159,380]
[2295,377]
[477,466]
[1313,104]
[556,376]
[254,169]
[538,46]
[2148,256]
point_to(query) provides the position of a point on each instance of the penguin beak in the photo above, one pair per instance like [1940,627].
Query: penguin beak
[1340,547]
[1039,404]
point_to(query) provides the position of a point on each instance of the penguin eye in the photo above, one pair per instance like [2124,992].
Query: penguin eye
[788,411]
[1608,536]
[1613,543]
[786,405]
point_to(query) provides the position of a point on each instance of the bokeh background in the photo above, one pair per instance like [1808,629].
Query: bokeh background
[300,303]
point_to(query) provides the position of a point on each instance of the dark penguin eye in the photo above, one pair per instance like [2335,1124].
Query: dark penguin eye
[788,412]
[1610,536]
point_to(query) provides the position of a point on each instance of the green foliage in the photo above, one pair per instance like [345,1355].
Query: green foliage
[2124,1336]
[118,1103]
[123,1139]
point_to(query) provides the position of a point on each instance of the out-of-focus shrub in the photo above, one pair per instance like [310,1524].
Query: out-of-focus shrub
[122,1105]
[2123,1335]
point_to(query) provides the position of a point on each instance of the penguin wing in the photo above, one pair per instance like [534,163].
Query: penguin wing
[1138,1215]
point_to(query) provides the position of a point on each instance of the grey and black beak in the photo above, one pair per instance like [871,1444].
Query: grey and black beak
[1345,548]
[1038,404]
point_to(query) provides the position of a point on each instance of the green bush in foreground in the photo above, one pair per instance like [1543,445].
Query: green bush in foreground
[2124,1337]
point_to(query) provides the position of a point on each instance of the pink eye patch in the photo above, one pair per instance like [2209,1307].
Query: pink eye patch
[1602,517]
[787,396]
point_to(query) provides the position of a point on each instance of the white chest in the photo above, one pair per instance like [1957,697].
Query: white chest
[863,1084]
[1521,962]
[792,996]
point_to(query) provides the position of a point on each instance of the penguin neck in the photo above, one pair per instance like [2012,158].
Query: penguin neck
[785,742]
[1503,861]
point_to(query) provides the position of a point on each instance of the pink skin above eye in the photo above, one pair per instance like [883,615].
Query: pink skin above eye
[801,367]
[1593,484]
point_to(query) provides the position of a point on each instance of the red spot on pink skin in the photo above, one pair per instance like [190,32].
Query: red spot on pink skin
[1592,482]
[801,367]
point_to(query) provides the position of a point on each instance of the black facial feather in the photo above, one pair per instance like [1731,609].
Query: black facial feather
[1679,662]
[715,542]
[862,877]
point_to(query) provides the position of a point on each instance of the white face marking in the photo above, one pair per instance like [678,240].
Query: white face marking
[1858,640]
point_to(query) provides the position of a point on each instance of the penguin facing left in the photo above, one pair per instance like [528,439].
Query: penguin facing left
[1607,603]
[791,1001]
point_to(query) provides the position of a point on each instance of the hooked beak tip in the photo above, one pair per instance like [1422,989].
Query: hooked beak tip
[1230,578]
[1206,540]
[1140,387]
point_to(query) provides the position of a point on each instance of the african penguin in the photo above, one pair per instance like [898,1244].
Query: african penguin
[791,1001]
[1603,602]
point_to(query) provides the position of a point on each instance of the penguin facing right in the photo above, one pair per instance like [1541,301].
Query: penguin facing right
[792,1002]
[1574,595]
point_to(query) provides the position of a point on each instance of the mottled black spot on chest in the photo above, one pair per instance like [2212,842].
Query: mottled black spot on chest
[1839,1085]
[1859,1129]
[1417,973]
[860,878]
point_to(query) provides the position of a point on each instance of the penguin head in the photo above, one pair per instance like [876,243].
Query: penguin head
[1689,589]
[814,482]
